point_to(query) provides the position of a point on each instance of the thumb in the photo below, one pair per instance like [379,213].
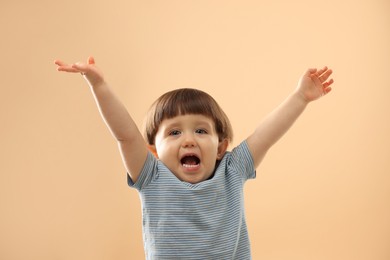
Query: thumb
[91,60]
[311,71]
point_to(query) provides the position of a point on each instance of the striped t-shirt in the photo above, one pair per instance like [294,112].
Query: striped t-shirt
[196,221]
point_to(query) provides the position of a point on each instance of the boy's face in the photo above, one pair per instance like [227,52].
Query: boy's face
[188,145]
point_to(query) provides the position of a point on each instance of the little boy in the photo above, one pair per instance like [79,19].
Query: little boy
[191,187]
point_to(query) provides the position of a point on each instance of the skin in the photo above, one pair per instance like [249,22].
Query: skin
[185,135]
[313,85]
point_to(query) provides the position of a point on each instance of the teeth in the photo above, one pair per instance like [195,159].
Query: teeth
[190,165]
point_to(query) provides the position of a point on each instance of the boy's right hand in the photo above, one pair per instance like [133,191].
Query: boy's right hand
[89,70]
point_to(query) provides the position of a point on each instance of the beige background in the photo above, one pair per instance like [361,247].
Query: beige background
[323,192]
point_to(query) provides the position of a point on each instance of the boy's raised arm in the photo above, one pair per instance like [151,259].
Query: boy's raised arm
[312,85]
[132,146]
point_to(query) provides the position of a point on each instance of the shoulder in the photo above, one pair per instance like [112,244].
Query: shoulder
[239,160]
[149,170]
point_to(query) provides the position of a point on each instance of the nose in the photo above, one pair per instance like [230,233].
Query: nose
[189,141]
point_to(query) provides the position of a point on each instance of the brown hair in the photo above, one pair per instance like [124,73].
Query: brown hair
[182,102]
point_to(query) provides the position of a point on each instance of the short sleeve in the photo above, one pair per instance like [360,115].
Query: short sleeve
[147,174]
[241,159]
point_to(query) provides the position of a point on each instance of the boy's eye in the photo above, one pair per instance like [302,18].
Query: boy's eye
[201,131]
[174,132]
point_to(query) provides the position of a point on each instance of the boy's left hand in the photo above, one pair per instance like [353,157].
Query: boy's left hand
[315,84]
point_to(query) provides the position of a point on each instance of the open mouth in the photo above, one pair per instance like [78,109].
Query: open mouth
[189,161]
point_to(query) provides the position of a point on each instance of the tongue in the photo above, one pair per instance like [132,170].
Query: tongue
[190,160]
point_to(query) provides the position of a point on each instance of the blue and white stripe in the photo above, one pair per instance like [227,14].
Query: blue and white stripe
[196,221]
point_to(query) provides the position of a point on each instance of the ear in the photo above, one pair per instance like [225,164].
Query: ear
[152,149]
[222,147]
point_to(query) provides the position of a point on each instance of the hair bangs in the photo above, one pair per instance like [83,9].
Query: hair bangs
[183,102]
[186,102]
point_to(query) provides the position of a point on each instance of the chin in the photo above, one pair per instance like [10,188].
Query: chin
[192,180]
[195,179]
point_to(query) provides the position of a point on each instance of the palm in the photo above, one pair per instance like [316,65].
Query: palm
[315,84]
[89,70]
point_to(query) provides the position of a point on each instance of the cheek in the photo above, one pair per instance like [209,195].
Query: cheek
[212,148]
[160,151]
[165,150]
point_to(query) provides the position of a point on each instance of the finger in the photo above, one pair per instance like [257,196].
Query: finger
[321,71]
[324,76]
[91,60]
[60,63]
[62,66]
[328,83]
[67,68]
[327,90]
